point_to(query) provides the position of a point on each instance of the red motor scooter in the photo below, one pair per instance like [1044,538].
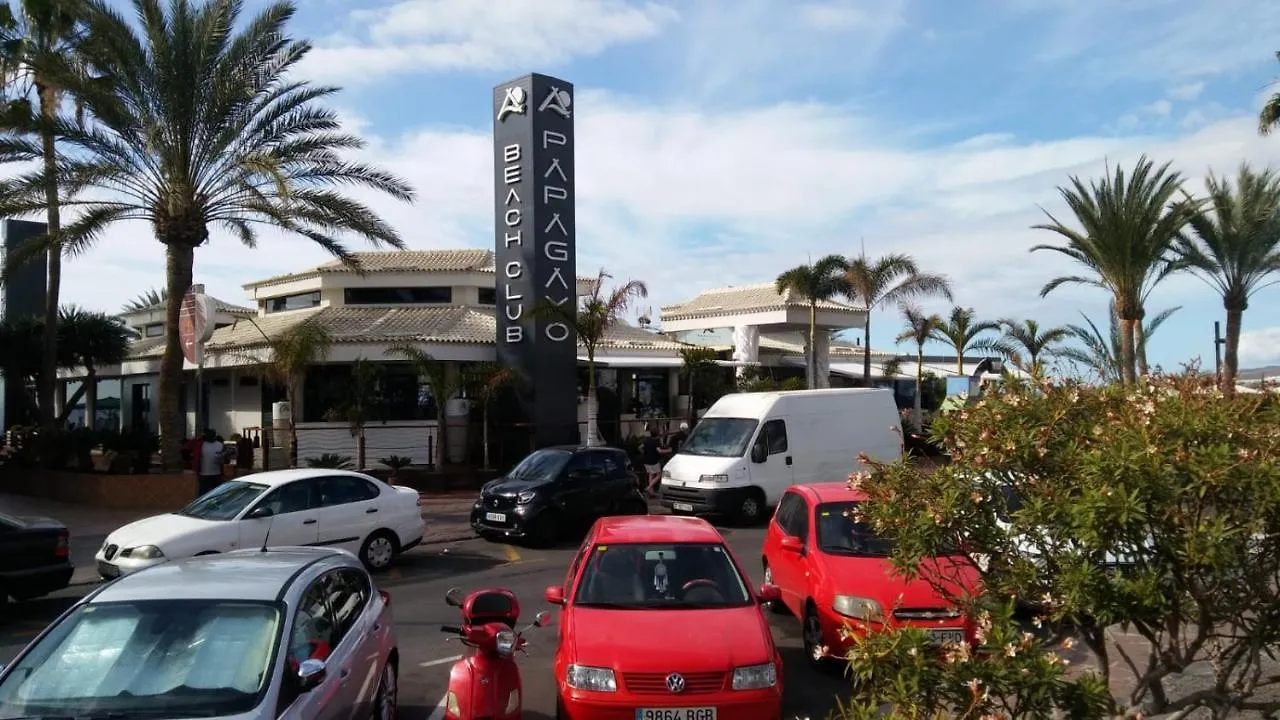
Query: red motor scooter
[485,683]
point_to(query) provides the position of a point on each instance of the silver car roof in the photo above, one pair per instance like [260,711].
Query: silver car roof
[240,575]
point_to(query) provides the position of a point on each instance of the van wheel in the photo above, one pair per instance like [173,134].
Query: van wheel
[751,510]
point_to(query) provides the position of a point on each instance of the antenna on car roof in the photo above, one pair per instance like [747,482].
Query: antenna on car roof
[267,538]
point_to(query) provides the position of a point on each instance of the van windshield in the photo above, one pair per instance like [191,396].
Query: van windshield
[720,437]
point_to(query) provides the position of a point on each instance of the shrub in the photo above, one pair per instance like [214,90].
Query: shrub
[331,461]
[1153,510]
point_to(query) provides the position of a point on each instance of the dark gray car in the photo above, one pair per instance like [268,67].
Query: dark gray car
[298,633]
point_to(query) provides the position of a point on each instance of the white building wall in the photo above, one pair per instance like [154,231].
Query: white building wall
[413,439]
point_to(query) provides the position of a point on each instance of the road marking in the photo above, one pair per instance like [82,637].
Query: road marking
[441,661]
[512,554]
[438,713]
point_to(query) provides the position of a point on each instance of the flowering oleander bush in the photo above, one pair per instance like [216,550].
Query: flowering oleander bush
[1142,523]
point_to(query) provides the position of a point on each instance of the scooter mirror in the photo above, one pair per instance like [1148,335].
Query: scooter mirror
[454,597]
[542,619]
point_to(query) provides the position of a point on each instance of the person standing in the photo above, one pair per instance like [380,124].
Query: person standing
[651,457]
[677,438]
[208,462]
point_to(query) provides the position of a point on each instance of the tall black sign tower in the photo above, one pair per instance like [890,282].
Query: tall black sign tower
[535,254]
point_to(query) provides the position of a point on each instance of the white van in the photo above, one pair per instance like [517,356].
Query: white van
[750,447]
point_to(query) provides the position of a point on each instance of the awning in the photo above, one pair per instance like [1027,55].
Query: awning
[634,361]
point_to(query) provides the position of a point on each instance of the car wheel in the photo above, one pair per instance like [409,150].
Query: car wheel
[751,509]
[384,704]
[811,632]
[378,551]
[777,608]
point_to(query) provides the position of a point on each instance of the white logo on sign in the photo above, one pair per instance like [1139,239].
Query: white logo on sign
[513,103]
[557,101]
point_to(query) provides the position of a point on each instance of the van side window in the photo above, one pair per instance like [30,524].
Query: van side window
[775,436]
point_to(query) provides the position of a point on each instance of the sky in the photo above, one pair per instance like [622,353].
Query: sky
[721,142]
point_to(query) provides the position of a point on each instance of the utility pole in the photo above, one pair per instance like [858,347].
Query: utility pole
[1218,342]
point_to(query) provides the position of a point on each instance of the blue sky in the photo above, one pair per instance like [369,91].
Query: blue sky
[721,142]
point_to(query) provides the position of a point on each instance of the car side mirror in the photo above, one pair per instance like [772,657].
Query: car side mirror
[770,593]
[790,543]
[555,595]
[453,597]
[759,453]
[262,511]
[542,619]
[310,674]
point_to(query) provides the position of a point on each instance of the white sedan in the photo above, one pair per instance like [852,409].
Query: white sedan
[281,508]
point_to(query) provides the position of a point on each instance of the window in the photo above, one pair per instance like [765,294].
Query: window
[541,465]
[614,462]
[398,296]
[341,489]
[790,508]
[590,461]
[154,330]
[225,501]
[296,496]
[143,658]
[312,634]
[720,437]
[840,533]
[488,296]
[775,436]
[403,399]
[349,594]
[293,302]
[8,522]
[684,576]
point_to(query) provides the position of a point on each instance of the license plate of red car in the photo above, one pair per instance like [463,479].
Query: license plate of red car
[942,637]
[693,713]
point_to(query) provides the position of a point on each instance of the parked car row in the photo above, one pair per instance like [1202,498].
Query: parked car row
[34,557]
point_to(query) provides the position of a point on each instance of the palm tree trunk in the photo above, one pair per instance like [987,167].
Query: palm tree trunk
[593,416]
[484,432]
[866,352]
[813,345]
[91,401]
[48,379]
[178,260]
[917,410]
[1231,354]
[960,361]
[360,449]
[291,396]
[1128,361]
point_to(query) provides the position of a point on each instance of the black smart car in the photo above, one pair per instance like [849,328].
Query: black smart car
[555,488]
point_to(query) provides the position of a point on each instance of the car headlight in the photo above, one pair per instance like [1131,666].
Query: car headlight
[721,478]
[859,608]
[755,677]
[582,677]
[666,474]
[143,552]
[527,496]
[505,641]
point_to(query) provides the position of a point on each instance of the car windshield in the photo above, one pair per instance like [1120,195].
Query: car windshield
[661,576]
[720,437]
[541,465]
[9,522]
[840,534]
[164,658]
[224,502]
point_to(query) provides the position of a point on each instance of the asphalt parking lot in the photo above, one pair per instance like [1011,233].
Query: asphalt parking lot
[417,585]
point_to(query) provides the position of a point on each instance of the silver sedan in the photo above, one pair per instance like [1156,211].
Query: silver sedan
[298,633]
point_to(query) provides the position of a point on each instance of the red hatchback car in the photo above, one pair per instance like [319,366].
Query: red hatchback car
[660,623]
[833,571]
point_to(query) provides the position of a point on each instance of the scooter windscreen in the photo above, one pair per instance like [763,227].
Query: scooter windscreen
[491,606]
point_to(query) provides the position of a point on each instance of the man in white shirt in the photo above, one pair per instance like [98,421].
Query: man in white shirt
[209,462]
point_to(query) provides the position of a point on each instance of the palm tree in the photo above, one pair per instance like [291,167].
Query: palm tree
[698,362]
[39,49]
[1129,223]
[198,126]
[89,340]
[489,378]
[1024,343]
[1234,246]
[1269,118]
[921,328]
[444,385]
[598,311]
[362,401]
[1099,353]
[814,283]
[289,355]
[890,279]
[961,332]
[148,299]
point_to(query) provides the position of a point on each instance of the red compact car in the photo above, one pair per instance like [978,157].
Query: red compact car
[661,623]
[834,572]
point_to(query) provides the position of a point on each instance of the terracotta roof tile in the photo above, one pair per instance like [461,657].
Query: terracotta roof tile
[744,298]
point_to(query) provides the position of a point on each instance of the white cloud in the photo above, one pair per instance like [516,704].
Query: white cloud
[435,35]
[1187,91]
[1260,347]
[687,200]
[837,15]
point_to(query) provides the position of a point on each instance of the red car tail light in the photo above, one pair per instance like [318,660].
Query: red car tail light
[62,548]
[386,597]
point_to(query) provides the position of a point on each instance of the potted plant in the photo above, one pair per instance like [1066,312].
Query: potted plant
[395,463]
